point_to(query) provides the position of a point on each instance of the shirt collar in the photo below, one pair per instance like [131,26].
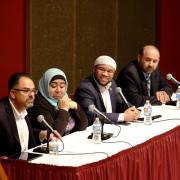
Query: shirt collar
[18,115]
[102,88]
[147,75]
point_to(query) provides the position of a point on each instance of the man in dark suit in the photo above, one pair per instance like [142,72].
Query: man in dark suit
[99,89]
[16,134]
[141,79]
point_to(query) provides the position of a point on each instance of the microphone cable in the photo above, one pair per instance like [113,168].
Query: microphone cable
[111,142]
[62,145]
[73,153]
[156,121]
[118,131]
[117,136]
[170,119]
[84,153]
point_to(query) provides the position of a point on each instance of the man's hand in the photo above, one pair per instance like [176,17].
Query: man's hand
[162,96]
[131,114]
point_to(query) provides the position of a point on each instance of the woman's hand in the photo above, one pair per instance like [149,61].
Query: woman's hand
[63,103]
[73,105]
[66,103]
[43,135]
[57,136]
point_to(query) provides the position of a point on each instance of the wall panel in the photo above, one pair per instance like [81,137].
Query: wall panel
[71,34]
[52,36]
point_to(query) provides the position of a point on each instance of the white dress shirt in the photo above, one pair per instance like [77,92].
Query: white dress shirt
[107,99]
[22,127]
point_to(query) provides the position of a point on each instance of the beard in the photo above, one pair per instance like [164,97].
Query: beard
[29,103]
[101,83]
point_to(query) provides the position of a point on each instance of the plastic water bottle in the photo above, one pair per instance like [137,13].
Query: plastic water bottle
[178,98]
[53,147]
[147,113]
[97,127]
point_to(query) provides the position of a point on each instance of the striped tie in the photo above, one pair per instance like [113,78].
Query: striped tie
[148,79]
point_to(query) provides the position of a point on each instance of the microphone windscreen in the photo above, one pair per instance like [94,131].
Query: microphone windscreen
[91,107]
[118,89]
[169,76]
[40,118]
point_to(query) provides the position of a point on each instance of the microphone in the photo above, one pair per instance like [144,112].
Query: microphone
[104,136]
[119,91]
[41,120]
[171,78]
[93,109]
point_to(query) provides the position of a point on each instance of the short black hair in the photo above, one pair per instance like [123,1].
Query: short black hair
[14,79]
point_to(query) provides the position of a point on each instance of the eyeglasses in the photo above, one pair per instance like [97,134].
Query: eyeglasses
[102,70]
[27,91]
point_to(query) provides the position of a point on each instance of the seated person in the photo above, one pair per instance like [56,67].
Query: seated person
[52,101]
[99,89]
[141,79]
[16,133]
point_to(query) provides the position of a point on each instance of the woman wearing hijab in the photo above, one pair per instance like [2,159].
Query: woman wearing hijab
[52,101]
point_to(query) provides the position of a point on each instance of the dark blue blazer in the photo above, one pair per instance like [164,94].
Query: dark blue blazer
[88,93]
[9,139]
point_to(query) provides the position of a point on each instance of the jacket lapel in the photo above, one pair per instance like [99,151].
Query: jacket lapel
[12,121]
[154,83]
[98,95]
[113,97]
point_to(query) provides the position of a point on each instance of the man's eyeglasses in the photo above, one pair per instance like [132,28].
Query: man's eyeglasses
[27,91]
[102,70]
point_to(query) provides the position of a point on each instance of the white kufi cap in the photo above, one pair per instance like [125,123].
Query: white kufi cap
[105,60]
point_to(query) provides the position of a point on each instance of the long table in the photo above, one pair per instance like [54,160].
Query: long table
[138,152]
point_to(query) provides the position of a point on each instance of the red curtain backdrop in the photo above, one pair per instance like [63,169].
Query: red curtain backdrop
[12,40]
[170,37]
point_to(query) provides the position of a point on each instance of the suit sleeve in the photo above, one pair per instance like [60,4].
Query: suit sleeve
[135,89]
[81,120]
[57,120]
[84,97]
[164,86]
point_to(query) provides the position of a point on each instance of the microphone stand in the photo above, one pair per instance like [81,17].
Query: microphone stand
[48,135]
[104,136]
[43,149]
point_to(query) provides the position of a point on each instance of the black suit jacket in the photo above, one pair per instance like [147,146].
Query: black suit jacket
[88,93]
[9,139]
[134,85]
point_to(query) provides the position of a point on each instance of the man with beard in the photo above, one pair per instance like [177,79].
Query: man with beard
[99,90]
[141,79]
[16,134]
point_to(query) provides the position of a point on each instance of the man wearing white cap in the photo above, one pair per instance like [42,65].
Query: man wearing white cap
[99,89]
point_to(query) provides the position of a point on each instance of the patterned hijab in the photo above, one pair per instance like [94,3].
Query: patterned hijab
[46,80]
